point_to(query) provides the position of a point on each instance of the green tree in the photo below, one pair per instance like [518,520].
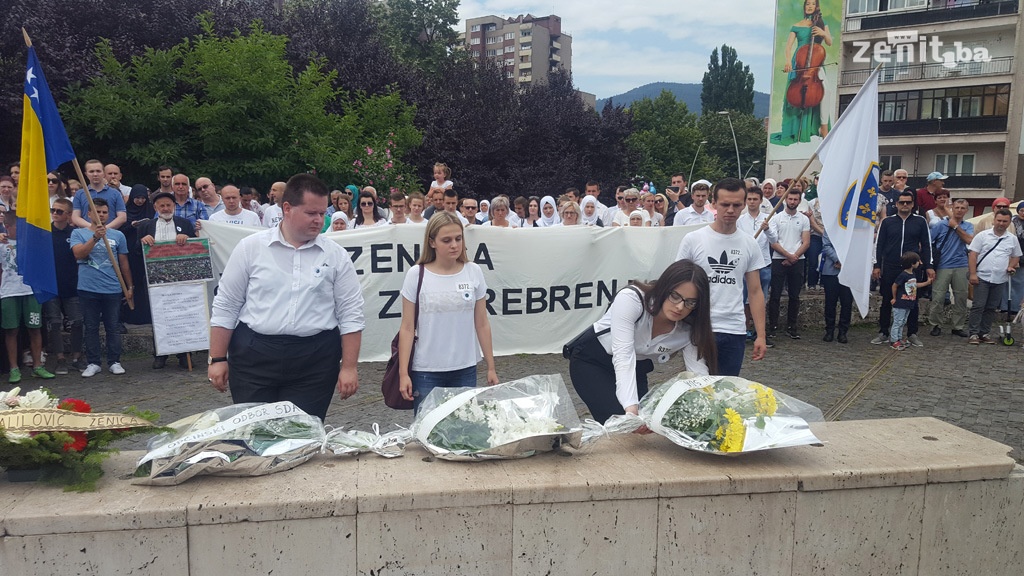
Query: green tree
[420,32]
[727,85]
[665,139]
[750,137]
[232,108]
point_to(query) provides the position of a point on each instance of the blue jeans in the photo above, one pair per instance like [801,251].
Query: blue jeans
[811,260]
[424,382]
[899,320]
[765,274]
[731,348]
[94,306]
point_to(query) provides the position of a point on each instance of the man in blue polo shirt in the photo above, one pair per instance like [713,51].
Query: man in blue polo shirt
[951,237]
[117,215]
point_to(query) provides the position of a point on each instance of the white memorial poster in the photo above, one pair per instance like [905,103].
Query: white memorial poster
[181,317]
[544,285]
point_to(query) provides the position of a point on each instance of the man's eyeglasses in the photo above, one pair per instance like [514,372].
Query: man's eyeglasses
[901,177]
[57,211]
[631,199]
[618,198]
[470,207]
[904,202]
[1002,206]
[675,298]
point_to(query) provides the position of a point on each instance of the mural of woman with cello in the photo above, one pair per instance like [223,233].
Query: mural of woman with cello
[808,104]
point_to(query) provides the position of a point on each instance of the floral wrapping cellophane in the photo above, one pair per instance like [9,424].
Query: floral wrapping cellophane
[511,420]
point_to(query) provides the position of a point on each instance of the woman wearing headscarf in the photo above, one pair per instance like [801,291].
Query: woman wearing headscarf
[139,210]
[588,212]
[339,221]
[768,199]
[548,213]
[484,213]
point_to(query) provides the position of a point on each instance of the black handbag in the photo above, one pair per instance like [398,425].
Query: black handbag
[390,386]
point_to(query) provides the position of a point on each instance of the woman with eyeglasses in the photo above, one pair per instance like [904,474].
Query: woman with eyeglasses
[646,323]
[569,214]
[367,215]
[654,217]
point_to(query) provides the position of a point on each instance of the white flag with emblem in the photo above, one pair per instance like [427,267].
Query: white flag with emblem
[848,189]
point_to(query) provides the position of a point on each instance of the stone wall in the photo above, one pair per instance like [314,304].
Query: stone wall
[909,496]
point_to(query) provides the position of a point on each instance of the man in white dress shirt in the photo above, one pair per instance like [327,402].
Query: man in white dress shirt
[697,212]
[288,310]
[233,213]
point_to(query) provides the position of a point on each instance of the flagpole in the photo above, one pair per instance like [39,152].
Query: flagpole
[94,216]
[799,176]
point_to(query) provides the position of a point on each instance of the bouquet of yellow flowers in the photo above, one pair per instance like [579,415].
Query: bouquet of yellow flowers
[727,414]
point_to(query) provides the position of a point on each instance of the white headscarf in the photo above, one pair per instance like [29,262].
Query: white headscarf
[704,182]
[641,214]
[545,221]
[340,215]
[775,187]
[588,220]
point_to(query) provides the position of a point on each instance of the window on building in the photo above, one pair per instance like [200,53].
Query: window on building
[490,27]
[955,164]
[525,73]
[526,46]
[525,33]
[861,7]
[901,4]
[493,39]
[890,162]
[476,53]
[509,74]
[474,28]
[943,103]
[492,53]
[509,49]
[524,58]
[510,62]
[474,41]
[510,35]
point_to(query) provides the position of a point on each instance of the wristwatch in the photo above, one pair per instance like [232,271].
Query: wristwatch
[212,359]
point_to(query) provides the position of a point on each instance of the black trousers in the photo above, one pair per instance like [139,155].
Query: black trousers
[301,369]
[885,311]
[837,293]
[593,377]
[793,278]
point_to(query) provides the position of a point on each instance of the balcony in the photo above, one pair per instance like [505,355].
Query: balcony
[525,78]
[556,45]
[556,58]
[930,71]
[942,126]
[960,181]
[934,14]
[525,65]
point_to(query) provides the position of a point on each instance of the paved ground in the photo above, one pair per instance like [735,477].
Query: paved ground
[980,388]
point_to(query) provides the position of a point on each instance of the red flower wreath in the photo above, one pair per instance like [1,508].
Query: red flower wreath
[80,439]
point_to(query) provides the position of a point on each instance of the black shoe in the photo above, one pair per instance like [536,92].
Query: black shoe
[842,338]
[793,334]
[124,329]
[183,362]
[827,337]
[159,362]
[936,331]
[960,333]
[769,342]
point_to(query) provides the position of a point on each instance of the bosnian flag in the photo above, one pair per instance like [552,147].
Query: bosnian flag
[44,147]
[848,189]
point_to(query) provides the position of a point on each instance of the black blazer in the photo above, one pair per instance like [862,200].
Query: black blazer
[183,225]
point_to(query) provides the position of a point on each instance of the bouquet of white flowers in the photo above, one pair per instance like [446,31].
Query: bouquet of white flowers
[511,420]
[723,414]
[236,440]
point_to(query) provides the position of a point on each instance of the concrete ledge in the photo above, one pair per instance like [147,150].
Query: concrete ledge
[908,496]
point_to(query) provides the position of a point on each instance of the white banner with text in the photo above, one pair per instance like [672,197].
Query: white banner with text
[544,285]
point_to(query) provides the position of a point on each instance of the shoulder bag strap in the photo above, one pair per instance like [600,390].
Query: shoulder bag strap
[642,309]
[416,314]
[991,249]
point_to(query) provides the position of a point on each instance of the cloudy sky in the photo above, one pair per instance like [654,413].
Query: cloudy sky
[619,45]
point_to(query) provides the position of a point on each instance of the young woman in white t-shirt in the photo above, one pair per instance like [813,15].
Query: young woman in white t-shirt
[453,327]
[646,323]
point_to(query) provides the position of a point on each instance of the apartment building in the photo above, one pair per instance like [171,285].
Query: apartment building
[951,93]
[527,47]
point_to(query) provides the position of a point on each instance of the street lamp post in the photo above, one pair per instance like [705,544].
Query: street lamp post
[736,144]
[694,163]
[752,164]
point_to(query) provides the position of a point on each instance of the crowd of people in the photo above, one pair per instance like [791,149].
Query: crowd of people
[763,240]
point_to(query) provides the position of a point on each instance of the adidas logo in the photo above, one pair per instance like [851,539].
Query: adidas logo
[723,265]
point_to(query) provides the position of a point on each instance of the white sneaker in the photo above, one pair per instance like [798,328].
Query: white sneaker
[116,368]
[91,370]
